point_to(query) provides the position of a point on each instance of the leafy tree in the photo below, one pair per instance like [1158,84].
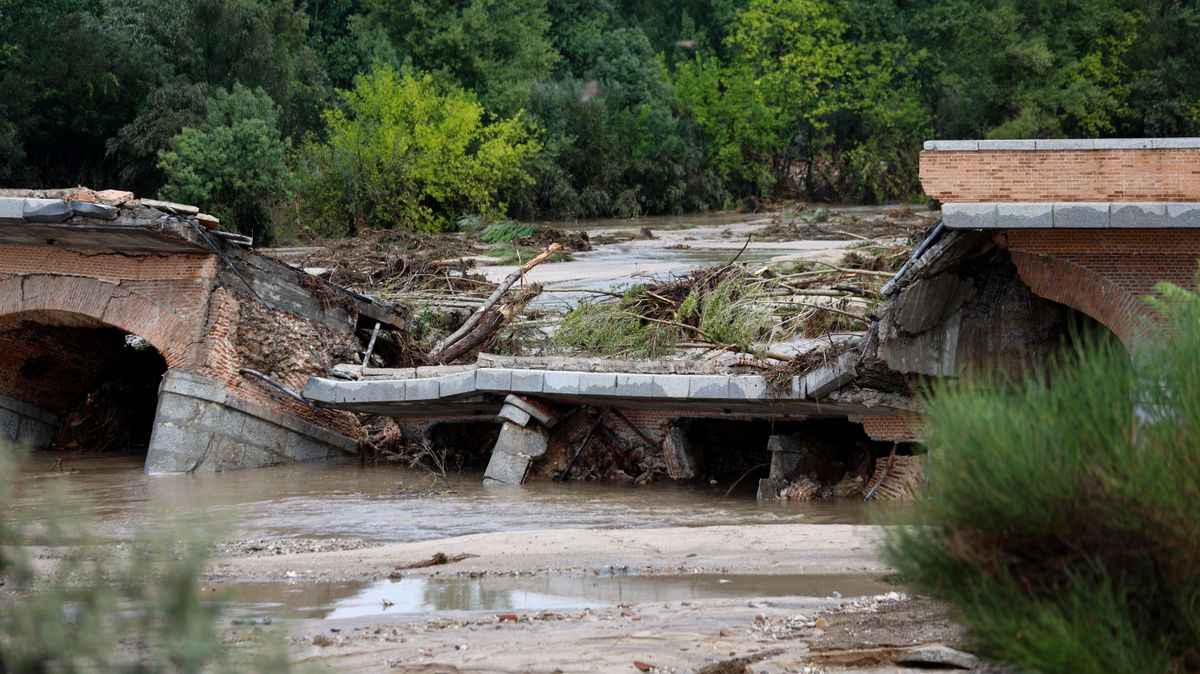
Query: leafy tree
[234,163]
[1061,519]
[408,151]
[496,49]
[842,113]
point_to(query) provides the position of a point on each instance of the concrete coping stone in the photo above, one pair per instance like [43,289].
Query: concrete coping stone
[1063,144]
[560,383]
[1072,215]
[30,410]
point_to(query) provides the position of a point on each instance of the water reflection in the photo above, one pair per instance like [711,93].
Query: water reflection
[335,600]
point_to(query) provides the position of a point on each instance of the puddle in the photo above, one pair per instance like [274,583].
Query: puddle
[338,600]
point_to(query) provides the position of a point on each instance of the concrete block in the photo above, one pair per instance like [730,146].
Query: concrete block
[1138,214]
[1064,144]
[672,385]
[10,425]
[493,379]
[681,461]
[176,449]
[319,389]
[218,418]
[299,447]
[749,387]
[563,383]
[1007,145]
[785,456]
[799,388]
[1080,215]
[93,210]
[545,414]
[969,215]
[598,383]
[829,378]
[258,433]
[515,449]
[1183,215]
[768,488]
[388,390]
[461,383]
[51,211]
[951,145]
[421,389]
[527,381]
[188,384]
[352,392]
[36,434]
[12,210]
[178,408]
[1175,143]
[1122,143]
[709,386]
[638,386]
[514,414]
[1024,215]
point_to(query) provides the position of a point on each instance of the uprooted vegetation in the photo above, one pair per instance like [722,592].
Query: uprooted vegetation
[730,308]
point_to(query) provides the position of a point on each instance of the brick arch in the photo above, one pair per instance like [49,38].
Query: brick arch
[175,335]
[1084,290]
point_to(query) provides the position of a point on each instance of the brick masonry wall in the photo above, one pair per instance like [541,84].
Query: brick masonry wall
[894,428]
[171,300]
[1105,274]
[1062,175]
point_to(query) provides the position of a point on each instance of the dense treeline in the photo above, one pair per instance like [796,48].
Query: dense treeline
[343,114]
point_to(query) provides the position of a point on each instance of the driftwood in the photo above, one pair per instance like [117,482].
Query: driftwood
[486,320]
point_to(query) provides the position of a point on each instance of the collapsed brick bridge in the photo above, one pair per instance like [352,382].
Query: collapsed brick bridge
[1091,224]
[1037,238]
[104,295]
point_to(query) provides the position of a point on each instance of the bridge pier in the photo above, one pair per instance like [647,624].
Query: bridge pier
[199,427]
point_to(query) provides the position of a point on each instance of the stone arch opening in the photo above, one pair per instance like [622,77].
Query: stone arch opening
[72,382]
[1088,293]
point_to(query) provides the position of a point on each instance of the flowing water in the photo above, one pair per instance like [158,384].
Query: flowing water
[385,504]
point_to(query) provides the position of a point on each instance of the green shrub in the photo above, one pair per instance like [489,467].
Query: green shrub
[1064,516]
[99,611]
[503,232]
[234,163]
[406,151]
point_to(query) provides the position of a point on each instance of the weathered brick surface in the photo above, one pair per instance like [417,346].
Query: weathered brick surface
[894,428]
[1062,175]
[1105,275]
[174,301]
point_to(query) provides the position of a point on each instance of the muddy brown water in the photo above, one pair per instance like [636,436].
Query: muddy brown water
[385,504]
[350,599]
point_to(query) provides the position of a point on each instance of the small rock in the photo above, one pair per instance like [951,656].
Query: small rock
[937,655]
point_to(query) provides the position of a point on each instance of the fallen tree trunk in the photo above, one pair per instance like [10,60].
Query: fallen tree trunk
[472,332]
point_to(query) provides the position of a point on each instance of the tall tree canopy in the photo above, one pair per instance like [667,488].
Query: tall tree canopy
[637,107]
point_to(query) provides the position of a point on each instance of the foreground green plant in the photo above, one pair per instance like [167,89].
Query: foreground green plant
[1063,522]
[93,610]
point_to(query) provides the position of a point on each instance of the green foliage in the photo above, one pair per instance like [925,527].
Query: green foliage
[1062,516]
[407,151]
[615,329]
[733,311]
[804,94]
[496,49]
[642,107]
[233,164]
[102,612]
[507,231]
